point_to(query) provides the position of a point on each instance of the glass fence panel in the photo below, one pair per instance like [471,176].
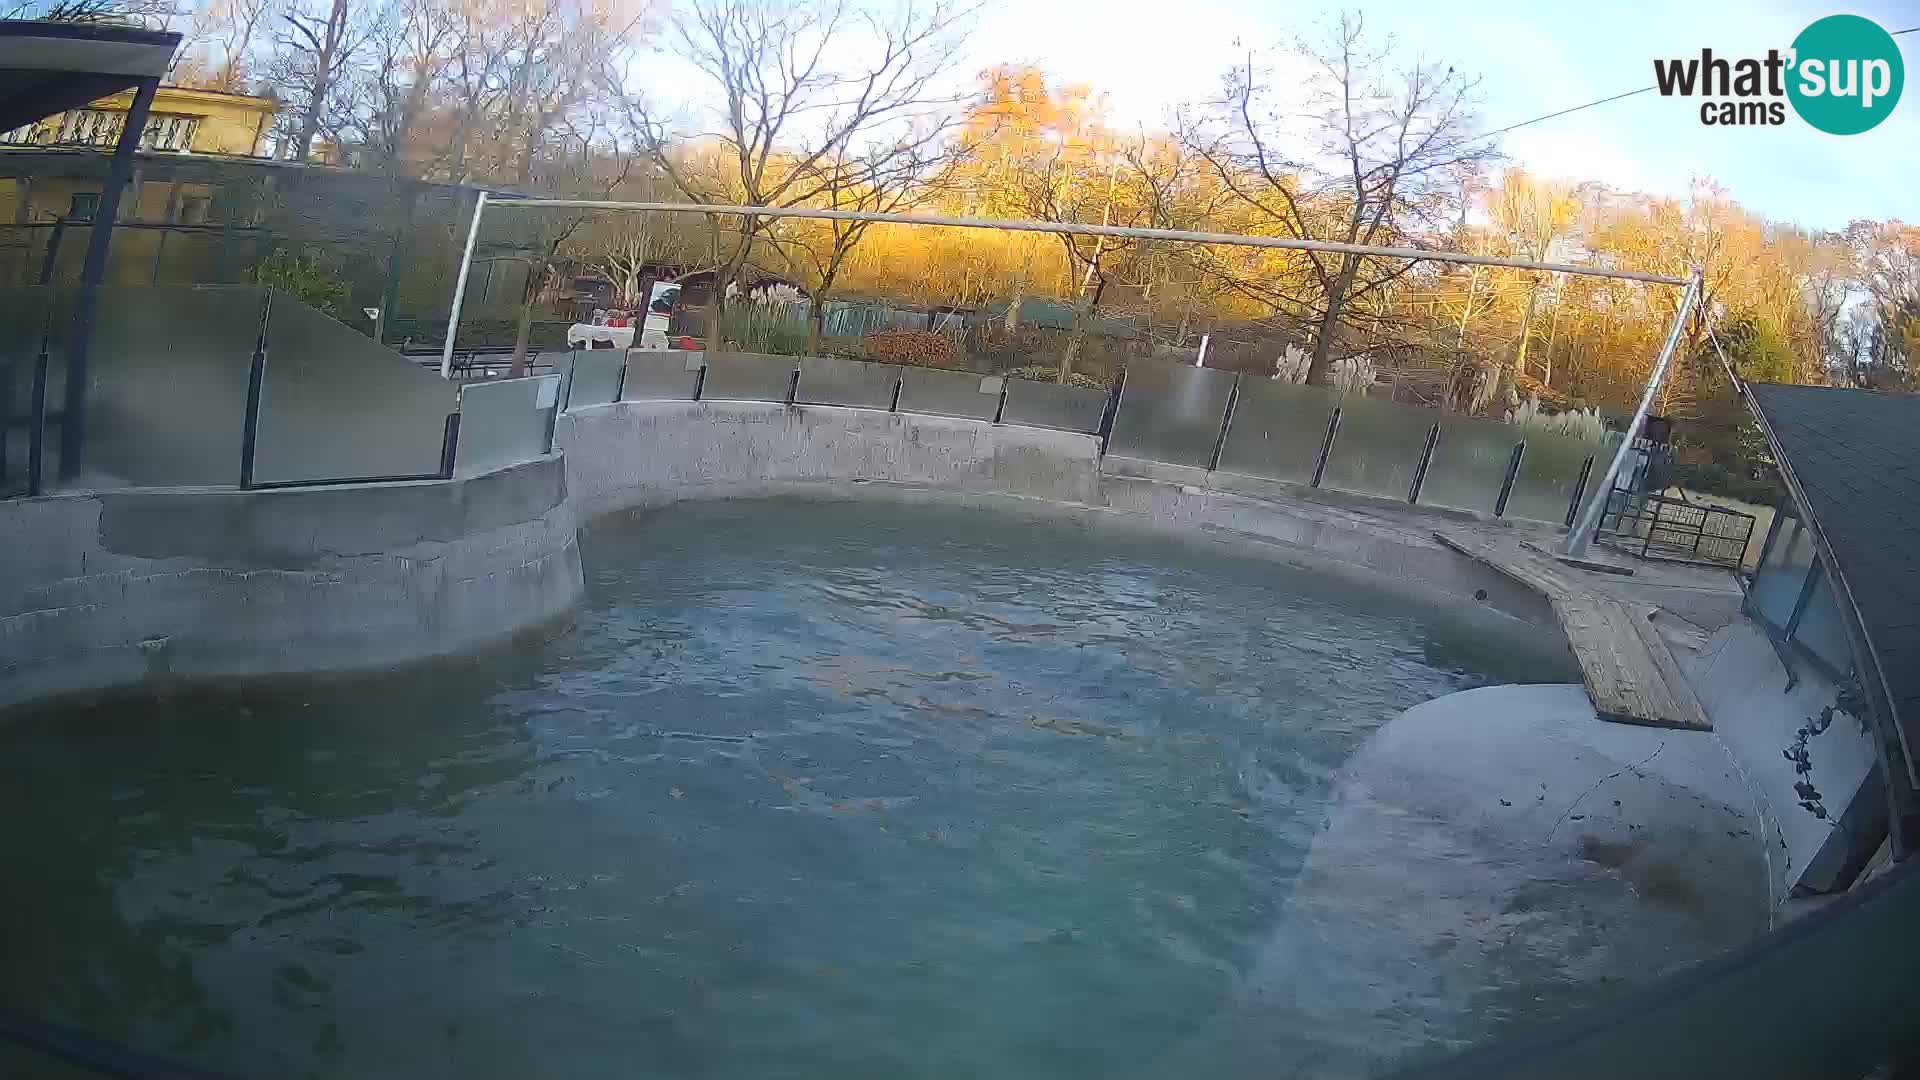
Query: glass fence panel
[662,376]
[831,380]
[596,377]
[1277,430]
[733,376]
[1050,405]
[1822,630]
[1776,585]
[1378,447]
[504,422]
[1549,469]
[167,374]
[336,405]
[23,329]
[1171,412]
[1469,463]
[951,393]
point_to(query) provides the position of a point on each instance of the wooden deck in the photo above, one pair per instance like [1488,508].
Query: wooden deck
[1630,673]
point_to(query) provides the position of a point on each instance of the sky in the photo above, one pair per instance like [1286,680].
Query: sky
[1532,59]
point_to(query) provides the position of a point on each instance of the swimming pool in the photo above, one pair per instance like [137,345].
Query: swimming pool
[833,788]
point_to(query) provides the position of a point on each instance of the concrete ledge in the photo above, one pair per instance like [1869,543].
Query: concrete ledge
[121,588]
[644,453]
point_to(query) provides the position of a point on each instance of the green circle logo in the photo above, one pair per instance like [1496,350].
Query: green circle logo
[1846,74]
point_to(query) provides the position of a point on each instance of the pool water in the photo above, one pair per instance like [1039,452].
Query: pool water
[812,789]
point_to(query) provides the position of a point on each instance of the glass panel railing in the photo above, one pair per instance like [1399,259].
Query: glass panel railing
[1277,430]
[596,377]
[1776,585]
[336,405]
[504,422]
[1822,630]
[950,393]
[1170,412]
[1378,447]
[1549,470]
[1469,463]
[733,376]
[1050,405]
[830,380]
[168,369]
[662,376]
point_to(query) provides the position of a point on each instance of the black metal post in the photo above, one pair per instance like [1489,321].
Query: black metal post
[256,377]
[37,416]
[620,384]
[73,426]
[1579,489]
[1226,422]
[450,443]
[793,385]
[1112,410]
[899,380]
[1426,459]
[1000,406]
[699,381]
[1506,483]
[52,256]
[1326,446]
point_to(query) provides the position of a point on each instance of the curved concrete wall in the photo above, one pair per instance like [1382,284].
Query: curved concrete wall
[116,588]
[644,453]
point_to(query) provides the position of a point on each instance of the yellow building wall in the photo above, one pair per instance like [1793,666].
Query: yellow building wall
[229,123]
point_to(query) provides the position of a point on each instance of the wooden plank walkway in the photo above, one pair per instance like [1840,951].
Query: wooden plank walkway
[1630,673]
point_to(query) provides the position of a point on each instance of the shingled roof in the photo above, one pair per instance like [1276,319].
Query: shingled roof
[1851,459]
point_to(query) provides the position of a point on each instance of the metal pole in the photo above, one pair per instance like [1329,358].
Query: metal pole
[1583,530]
[1071,228]
[1506,482]
[73,425]
[1201,359]
[460,287]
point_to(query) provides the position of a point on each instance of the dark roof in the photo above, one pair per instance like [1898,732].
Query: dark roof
[1852,460]
[50,67]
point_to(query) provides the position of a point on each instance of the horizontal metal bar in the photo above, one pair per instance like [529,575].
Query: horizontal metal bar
[1072,228]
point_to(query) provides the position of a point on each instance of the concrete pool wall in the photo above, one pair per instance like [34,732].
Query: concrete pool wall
[118,588]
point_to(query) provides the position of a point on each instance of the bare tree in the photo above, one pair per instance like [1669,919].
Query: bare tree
[315,45]
[800,86]
[1374,155]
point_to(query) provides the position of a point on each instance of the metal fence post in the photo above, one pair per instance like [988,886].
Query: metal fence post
[1579,490]
[1426,460]
[1226,422]
[1506,484]
[256,377]
[450,443]
[1112,411]
[899,380]
[793,385]
[1326,446]
[1000,407]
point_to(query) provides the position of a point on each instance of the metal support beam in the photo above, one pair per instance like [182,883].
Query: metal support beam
[1072,228]
[1583,529]
[73,427]
[460,287]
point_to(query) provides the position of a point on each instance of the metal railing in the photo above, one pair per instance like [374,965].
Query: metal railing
[1675,530]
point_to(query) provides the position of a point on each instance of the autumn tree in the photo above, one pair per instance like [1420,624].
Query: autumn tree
[810,96]
[1373,153]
